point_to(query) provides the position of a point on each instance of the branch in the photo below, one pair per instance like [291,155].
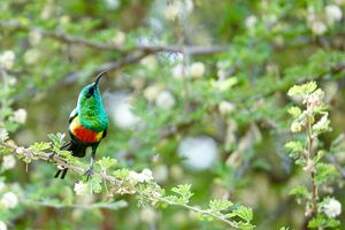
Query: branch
[119,186]
[69,39]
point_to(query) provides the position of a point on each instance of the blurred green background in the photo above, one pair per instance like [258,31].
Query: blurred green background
[217,120]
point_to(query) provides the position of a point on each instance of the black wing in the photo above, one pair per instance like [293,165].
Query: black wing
[73,114]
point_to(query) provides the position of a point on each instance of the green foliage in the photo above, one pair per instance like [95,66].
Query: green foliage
[180,70]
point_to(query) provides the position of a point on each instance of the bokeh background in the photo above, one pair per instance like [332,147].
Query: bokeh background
[196,92]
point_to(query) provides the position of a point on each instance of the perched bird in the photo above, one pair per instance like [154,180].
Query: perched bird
[88,124]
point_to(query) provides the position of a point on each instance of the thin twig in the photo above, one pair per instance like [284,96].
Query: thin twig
[69,39]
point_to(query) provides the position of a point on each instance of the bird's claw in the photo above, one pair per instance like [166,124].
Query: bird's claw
[88,173]
[51,156]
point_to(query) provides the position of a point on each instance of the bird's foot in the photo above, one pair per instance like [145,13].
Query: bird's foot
[89,173]
[51,156]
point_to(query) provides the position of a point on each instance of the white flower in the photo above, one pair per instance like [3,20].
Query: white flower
[172,10]
[12,81]
[251,21]
[9,200]
[35,37]
[150,62]
[176,8]
[124,116]
[333,13]
[3,135]
[177,71]
[144,176]
[197,70]
[3,226]
[2,185]
[199,152]
[226,107]
[318,27]
[160,173]
[31,56]
[165,100]
[81,188]
[332,208]
[148,214]
[8,162]
[112,4]
[20,116]
[119,38]
[296,127]
[152,92]
[7,59]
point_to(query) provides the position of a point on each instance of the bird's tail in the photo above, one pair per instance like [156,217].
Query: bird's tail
[78,150]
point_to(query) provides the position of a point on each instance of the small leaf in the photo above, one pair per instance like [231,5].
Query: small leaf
[219,205]
[243,212]
[295,111]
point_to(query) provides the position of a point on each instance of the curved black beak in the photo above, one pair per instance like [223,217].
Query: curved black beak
[99,76]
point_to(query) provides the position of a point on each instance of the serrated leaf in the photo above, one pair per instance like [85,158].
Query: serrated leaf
[219,205]
[242,212]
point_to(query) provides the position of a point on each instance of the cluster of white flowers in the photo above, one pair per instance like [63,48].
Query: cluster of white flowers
[333,13]
[2,185]
[7,59]
[81,188]
[9,200]
[8,162]
[3,226]
[177,8]
[121,111]
[20,116]
[250,22]
[318,24]
[112,4]
[143,176]
[332,208]
[151,92]
[150,62]
[195,70]
[165,100]
[200,152]
[148,214]
[226,107]
[32,56]
[35,37]
[119,39]
[3,135]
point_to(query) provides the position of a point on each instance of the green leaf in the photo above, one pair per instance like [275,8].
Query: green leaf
[219,205]
[300,192]
[107,162]
[39,146]
[325,172]
[96,184]
[242,212]
[323,221]
[295,111]
[184,192]
[302,90]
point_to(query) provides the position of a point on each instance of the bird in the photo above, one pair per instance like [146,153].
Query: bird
[88,125]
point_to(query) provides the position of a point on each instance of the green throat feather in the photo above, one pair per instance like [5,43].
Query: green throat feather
[91,109]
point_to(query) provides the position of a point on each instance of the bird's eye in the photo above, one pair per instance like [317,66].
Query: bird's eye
[90,92]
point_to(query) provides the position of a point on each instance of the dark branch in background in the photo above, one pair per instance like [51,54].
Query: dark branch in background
[69,39]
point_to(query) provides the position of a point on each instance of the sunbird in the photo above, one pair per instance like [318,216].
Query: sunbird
[88,124]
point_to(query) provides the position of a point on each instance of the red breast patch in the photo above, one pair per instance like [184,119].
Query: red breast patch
[85,135]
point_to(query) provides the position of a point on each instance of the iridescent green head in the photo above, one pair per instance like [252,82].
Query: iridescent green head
[90,107]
